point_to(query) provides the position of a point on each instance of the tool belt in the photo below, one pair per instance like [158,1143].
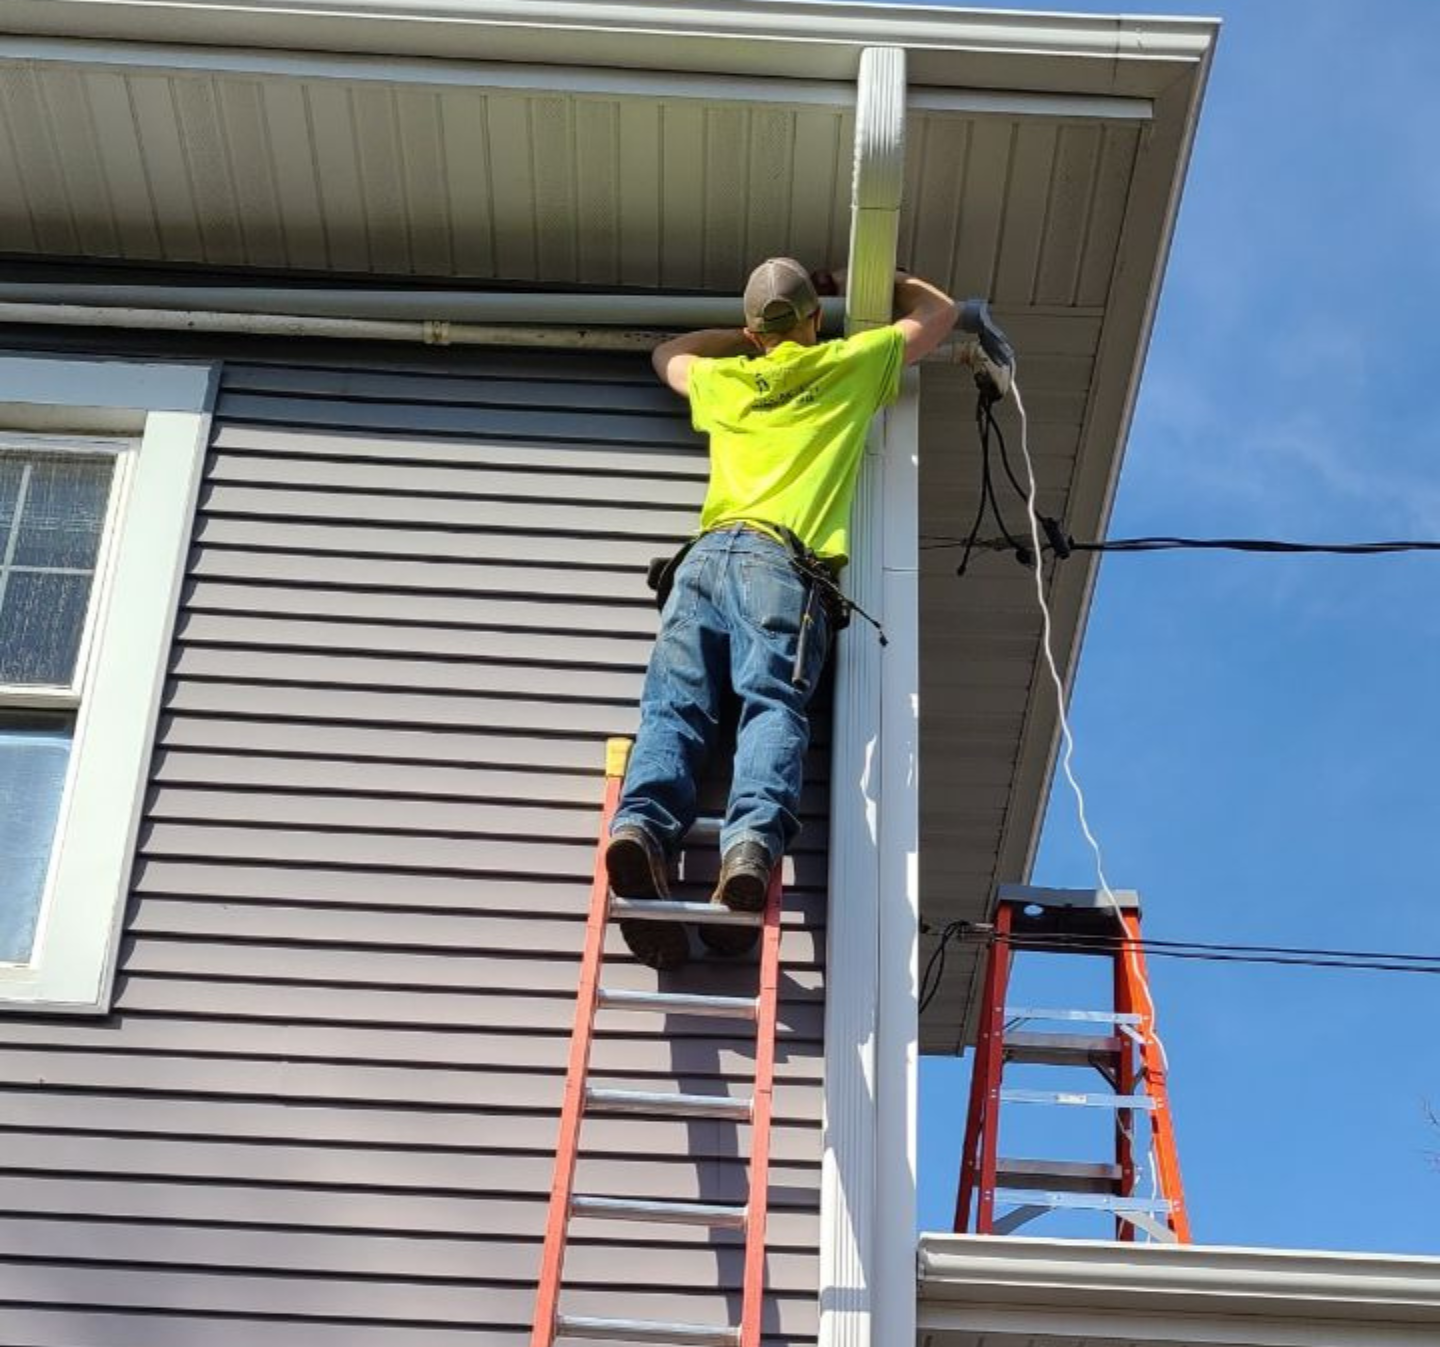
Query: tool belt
[821,586]
[818,573]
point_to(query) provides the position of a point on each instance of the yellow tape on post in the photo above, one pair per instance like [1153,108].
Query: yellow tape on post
[617,756]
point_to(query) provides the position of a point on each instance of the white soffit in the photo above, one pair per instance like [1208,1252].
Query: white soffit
[984,1291]
[562,175]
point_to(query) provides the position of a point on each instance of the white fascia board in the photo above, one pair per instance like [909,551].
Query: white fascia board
[794,40]
[1175,1294]
[508,77]
[577,80]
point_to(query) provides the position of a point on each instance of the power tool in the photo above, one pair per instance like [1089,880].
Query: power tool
[985,349]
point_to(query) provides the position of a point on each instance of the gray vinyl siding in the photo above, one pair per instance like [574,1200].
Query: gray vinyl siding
[324,1108]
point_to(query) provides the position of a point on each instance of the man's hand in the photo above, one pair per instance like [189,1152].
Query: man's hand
[672,359]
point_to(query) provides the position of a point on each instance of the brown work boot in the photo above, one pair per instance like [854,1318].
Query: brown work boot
[635,866]
[744,877]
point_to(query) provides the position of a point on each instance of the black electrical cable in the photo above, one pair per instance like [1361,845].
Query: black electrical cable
[934,972]
[1274,546]
[1201,951]
[985,423]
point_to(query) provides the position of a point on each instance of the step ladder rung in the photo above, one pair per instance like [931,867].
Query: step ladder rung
[1030,1049]
[680,1003]
[665,909]
[712,1215]
[645,1330]
[1013,1013]
[600,1100]
[1069,1176]
[1079,1099]
[1028,1197]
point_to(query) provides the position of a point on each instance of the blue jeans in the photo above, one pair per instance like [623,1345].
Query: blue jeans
[733,615]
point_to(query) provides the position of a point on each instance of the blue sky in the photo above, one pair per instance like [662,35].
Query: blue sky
[1258,736]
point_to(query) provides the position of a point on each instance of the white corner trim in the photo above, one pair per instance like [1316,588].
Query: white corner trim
[848,1269]
[73,963]
[898,1038]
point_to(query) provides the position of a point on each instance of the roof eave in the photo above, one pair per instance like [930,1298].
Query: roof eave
[814,39]
[970,1285]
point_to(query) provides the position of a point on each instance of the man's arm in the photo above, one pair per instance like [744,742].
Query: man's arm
[672,359]
[924,315]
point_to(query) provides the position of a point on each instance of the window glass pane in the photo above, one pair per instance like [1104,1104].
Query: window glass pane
[41,622]
[64,512]
[34,757]
[10,474]
[52,513]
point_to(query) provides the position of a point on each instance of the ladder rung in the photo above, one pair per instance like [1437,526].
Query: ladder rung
[1068,1176]
[1119,1102]
[1158,1206]
[1070,1016]
[669,1105]
[664,1213]
[1061,1049]
[679,1003]
[663,909]
[645,1330]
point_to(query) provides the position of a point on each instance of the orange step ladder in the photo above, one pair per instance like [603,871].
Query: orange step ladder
[1119,1043]
[582,1099]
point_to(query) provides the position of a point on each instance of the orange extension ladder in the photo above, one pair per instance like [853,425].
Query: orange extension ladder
[581,1099]
[1127,1054]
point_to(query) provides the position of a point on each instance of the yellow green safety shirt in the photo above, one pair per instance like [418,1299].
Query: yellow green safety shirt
[787,430]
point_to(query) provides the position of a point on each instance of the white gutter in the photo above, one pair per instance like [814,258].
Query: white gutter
[794,39]
[970,1285]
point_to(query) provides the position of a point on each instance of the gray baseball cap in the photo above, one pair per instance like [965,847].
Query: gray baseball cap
[778,295]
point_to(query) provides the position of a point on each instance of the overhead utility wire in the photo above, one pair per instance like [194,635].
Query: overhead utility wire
[1371,961]
[937,542]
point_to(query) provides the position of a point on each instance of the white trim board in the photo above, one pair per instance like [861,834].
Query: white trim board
[575,80]
[72,966]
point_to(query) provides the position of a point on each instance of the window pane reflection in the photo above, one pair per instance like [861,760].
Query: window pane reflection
[52,514]
[34,758]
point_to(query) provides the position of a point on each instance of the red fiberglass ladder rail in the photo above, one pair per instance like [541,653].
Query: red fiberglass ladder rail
[1120,1044]
[582,1099]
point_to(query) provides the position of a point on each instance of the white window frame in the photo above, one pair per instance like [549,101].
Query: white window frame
[164,410]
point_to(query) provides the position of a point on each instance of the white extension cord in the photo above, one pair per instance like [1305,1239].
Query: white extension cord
[1068,737]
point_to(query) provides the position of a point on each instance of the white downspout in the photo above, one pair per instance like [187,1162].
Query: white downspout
[865,1080]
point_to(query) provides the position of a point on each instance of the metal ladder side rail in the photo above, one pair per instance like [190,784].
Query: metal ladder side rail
[982,1132]
[752,1300]
[1131,963]
[577,1070]
[581,1098]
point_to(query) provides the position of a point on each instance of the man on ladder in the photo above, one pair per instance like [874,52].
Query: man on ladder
[752,600]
